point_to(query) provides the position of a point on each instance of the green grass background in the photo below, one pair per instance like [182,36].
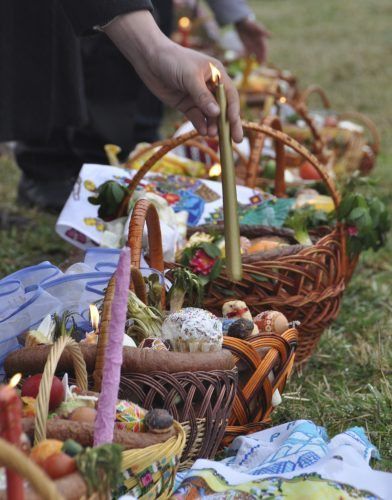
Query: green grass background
[345,47]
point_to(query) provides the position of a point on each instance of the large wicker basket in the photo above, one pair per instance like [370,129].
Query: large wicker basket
[149,473]
[304,283]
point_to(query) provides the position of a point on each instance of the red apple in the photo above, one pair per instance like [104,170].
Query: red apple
[31,386]
[308,172]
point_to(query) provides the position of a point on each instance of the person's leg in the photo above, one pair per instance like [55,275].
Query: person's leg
[49,170]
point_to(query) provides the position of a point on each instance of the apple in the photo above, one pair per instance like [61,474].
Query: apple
[31,386]
[308,172]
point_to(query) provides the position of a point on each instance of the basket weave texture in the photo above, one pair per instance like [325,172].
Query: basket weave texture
[149,472]
[305,285]
[202,400]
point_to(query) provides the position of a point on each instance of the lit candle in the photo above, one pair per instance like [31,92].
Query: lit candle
[92,337]
[247,72]
[184,27]
[11,430]
[229,189]
[104,422]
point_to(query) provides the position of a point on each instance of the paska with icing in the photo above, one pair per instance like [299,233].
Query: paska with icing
[193,330]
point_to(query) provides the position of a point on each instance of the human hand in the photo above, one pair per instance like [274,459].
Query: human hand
[254,37]
[178,76]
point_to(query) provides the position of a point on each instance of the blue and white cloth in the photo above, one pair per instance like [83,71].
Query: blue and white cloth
[294,460]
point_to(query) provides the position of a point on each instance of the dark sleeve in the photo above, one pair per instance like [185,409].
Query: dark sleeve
[85,14]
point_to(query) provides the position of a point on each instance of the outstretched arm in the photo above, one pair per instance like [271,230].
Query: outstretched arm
[252,33]
[176,75]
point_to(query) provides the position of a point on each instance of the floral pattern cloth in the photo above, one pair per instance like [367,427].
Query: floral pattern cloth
[180,201]
[292,461]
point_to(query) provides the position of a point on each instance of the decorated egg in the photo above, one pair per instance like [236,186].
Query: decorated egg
[155,344]
[271,322]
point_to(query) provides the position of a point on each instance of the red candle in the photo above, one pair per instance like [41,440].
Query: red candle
[11,430]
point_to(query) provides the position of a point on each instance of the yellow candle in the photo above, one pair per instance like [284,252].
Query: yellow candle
[229,189]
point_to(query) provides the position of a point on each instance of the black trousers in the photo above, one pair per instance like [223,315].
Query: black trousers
[121,110]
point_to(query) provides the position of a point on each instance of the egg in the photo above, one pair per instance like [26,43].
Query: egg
[271,322]
[83,414]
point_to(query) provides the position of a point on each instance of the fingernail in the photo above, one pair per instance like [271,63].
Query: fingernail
[213,109]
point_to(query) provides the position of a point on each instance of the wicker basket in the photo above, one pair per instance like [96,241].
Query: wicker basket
[149,472]
[361,151]
[200,400]
[14,459]
[304,283]
[264,364]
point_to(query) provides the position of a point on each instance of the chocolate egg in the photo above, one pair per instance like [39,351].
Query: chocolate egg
[241,328]
[271,322]
[158,420]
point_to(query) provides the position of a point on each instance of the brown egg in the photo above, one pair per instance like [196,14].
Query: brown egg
[83,414]
[271,322]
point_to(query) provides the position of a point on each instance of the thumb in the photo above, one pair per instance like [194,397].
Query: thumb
[203,98]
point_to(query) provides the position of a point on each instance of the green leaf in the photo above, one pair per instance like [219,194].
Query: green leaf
[210,249]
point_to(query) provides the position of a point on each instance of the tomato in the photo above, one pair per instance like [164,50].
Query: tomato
[31,386]
[59,465]
[308,172]
[44,449]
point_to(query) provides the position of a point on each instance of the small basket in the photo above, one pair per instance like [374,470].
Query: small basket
[201,400]
[149,472]
[361,150]
[268,360]
[304,283]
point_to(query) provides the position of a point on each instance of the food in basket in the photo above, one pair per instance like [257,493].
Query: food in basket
[158,421]
[264,245]
[31,386]
[308,172]
[271,322]
[241,328]
[193,330]
[155,344]
[237,309]
[83,414]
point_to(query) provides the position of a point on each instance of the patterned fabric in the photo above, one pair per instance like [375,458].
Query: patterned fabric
[291,461]
[180,200]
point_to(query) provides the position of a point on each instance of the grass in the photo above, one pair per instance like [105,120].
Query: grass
[344,47]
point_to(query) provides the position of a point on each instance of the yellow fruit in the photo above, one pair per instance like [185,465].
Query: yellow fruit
[45,449]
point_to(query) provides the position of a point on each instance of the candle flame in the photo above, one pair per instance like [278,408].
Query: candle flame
[282,99]
[15,380]
[184,23]
[215,170]
[215,73]
[94,317]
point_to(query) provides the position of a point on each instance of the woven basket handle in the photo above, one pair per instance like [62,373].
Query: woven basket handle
[42,402]
[13,458]
[257,150]
[249,127]
[368,123]
[145,213]
[201,146]
[311,90]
